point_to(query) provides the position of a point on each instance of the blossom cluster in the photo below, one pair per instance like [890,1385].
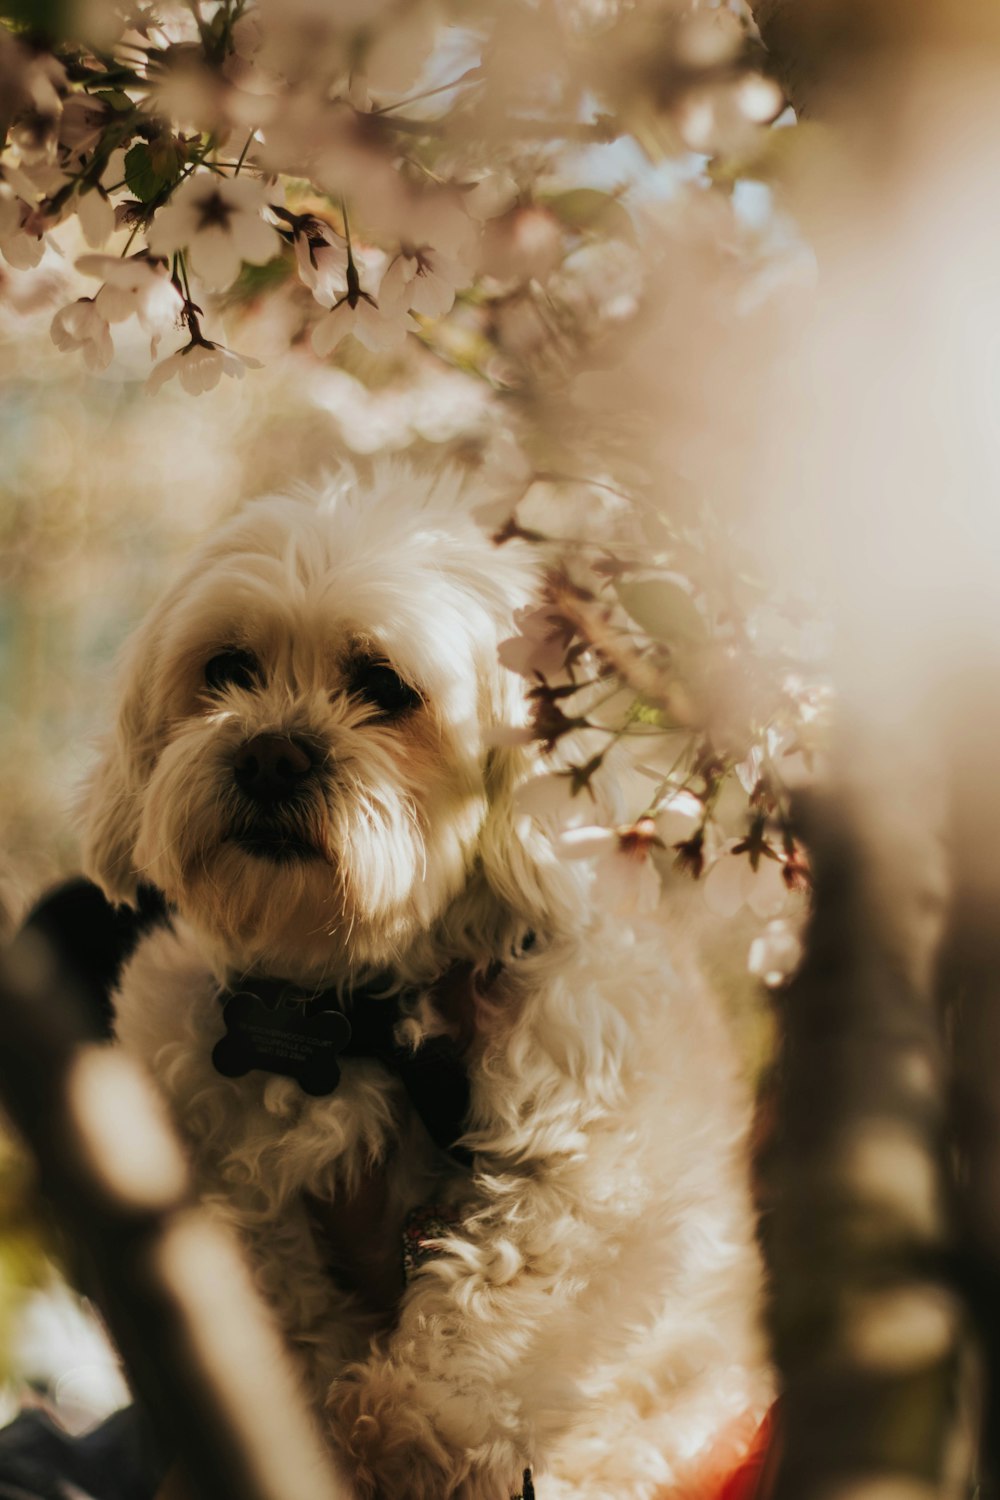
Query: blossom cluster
[417,179]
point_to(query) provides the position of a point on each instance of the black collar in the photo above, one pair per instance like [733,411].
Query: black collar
[277,1027]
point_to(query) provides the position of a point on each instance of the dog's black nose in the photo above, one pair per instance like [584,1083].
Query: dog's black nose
[272,767]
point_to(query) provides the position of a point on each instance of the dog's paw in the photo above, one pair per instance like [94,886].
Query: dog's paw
[409,1438]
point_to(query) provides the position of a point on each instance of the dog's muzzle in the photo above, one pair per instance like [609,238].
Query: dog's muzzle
[275,773]
[273,768]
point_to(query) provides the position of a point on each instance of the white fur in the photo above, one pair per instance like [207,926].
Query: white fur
[594,1313]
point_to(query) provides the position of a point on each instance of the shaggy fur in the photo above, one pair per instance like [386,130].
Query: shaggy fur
[593,1312]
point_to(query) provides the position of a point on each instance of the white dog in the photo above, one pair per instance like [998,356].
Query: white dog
[370,954]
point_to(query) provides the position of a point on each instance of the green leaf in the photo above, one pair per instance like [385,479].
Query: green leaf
[150,169]
[115,99]
[665,611]
[590,209]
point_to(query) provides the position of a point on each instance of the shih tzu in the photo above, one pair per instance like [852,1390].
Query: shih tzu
[483,1143]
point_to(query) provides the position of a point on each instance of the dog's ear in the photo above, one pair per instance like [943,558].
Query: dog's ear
[110,803]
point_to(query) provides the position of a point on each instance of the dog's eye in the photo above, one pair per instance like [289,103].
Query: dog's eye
[232,668]
[379,685]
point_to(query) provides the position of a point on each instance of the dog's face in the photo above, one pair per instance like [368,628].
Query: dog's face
[302,762]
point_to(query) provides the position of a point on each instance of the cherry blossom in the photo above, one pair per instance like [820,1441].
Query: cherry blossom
[732,883]
[80,325]
[21,231]
[677,817]
[96,215]
[438,223]
[135,285]
[320,254]
[200,365]
[539,650]
[423,281]
[357,313]
[217,221]
[558,800]
[628,881]
[82,124]
[506,474]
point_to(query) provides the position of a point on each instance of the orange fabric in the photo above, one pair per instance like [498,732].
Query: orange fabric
[751,1481]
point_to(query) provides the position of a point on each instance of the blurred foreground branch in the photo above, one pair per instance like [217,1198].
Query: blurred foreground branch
[866,1329]
[971,995]
[205,1359]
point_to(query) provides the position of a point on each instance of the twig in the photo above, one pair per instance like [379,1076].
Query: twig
[205,1358]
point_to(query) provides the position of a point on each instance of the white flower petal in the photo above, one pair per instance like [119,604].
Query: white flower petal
[97,217]
[432,295]
[379,333]
[329,331]
[679,817]
[394,288]
[215,258]
[98,352]
[164,371]
[256,241]
[549,798]
[173,226]
[201,370]
[586,842]
[322,267]
[23,251]
[79,325]
[627,886]
[237,364]
[115,303]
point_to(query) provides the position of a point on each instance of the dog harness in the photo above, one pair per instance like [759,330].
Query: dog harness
[273,1027]
[270,1024]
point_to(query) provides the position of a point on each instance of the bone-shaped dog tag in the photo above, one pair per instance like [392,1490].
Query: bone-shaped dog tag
[290,1039]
